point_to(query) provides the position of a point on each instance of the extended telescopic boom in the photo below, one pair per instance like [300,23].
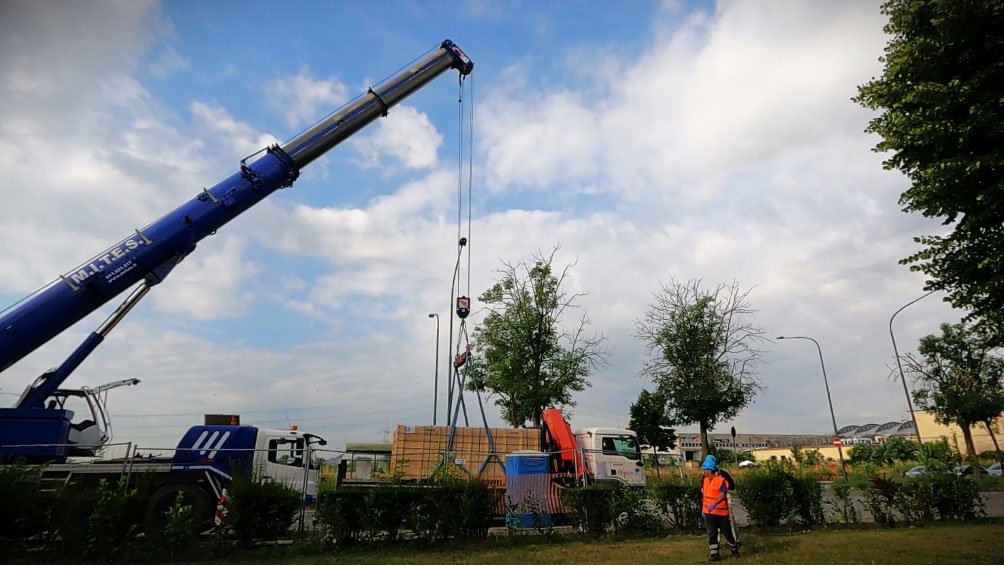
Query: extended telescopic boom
[148,255]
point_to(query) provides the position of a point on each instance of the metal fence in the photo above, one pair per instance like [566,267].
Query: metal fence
[127,459]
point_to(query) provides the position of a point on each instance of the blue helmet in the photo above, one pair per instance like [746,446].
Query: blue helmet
[709,463]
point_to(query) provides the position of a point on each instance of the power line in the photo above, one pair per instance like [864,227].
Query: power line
[403,410]
[257,411]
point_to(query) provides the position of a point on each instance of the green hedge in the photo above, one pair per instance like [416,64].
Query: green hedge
[261,508]
[451,509]
[601,508]
[774,495]
[26,509]
[929,497]
[680,499]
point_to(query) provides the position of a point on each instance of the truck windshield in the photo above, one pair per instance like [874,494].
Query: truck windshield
[285,451]
[626,446]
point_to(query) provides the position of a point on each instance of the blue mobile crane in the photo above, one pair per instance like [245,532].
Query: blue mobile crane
[39,428]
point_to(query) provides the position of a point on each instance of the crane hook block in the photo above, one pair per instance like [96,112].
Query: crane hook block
[463,307]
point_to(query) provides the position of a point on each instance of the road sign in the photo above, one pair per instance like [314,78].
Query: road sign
[837,441]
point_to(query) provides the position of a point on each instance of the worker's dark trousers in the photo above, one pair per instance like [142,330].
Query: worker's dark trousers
[714,524]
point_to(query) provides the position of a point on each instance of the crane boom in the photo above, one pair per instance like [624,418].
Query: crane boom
[149,254]
[152,252]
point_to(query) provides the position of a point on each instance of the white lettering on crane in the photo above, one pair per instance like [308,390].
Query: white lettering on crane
[107,259]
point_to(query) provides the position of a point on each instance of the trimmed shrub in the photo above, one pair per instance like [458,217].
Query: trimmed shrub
[451,509]
[842,502]
[340,512]
[261,508]
[774,495]
[590,507]
[680,499]
[635,514]
[26,508]
[178,537]
[929,497]
[599,508]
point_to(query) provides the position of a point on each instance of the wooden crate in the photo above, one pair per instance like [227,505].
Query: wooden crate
[418,450]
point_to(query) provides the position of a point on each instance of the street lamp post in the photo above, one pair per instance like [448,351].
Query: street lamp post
[902,376]
[836,436]
[435,387]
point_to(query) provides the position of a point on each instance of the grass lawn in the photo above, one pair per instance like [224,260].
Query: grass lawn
[948,544]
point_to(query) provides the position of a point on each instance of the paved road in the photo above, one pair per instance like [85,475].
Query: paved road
[993,501]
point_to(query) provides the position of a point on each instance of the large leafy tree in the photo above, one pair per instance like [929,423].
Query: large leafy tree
[704,353]
[528,359]
[650,421]
[958,378]
[942,108]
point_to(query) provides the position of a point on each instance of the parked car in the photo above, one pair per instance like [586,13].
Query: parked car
[968,470]
[916,471]
[994,470]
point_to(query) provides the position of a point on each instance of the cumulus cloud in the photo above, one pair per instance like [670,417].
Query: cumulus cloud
[302,99]
[406,136]
[243,138]
[207,284]
[725,148]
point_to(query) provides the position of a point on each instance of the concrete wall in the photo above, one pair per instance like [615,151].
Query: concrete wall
[931,431]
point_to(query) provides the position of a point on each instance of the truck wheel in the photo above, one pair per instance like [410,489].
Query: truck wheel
[163,499]
[73,514]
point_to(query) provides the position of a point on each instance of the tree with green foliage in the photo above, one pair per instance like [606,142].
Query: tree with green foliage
[958,377]
[649,421]
[703,354]
[526,356]
[942,111]
[899,449]
[806,458]
[864,454]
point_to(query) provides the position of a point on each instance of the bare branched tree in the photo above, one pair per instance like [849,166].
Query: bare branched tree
[704,352]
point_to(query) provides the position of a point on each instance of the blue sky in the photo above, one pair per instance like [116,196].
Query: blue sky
[651,140]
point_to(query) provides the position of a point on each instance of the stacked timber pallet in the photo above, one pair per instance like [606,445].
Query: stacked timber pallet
[417,451]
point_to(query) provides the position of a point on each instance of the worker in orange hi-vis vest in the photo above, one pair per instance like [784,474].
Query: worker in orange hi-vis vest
[715,508]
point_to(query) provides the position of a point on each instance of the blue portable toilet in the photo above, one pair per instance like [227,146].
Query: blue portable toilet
[527,487]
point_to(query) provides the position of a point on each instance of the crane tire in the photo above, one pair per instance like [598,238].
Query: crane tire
[72,514]
[164,498]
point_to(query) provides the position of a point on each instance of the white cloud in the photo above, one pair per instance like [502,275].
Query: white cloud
[718,95]
[301,99]
[406,135]
[728,149]
[206,284]
[243,138]
[167,62]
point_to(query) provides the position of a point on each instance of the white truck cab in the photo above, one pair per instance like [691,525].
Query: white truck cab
[283,456]
[612,455]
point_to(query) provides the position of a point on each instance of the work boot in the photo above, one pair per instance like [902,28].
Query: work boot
[715,558]
[735,551]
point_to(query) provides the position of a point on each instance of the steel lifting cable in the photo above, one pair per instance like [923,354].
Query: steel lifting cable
[470,182]
[460,174]
[463,301]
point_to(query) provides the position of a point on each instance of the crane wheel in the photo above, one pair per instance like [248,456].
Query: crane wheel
[73,513]
[164,498]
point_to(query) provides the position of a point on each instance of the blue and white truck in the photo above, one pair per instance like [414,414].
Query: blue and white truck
[42,428]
